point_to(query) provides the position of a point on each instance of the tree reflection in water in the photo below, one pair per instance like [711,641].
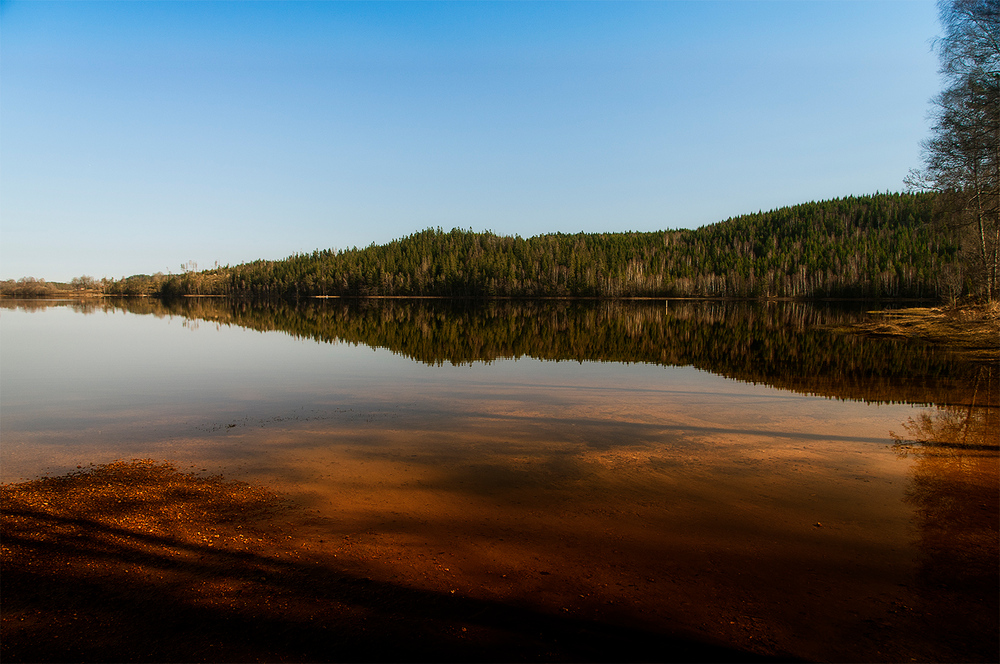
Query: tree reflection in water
[787,345]
[955,491]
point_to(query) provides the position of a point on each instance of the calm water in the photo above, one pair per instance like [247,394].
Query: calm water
[677,438]
[86,383]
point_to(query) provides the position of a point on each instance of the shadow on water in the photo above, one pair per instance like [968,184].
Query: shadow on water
[138,562]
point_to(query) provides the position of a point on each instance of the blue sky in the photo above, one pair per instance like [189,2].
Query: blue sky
[137,136]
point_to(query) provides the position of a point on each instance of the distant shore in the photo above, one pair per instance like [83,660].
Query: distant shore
[73,295]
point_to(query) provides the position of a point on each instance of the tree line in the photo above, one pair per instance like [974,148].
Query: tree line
[30,287]
[879,246]
[940,242]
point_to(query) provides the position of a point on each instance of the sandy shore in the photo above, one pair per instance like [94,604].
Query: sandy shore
[136,561]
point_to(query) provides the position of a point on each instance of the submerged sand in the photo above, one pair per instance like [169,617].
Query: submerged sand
[137,561]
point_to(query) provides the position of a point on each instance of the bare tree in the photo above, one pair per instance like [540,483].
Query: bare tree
[84,282]
[962,156]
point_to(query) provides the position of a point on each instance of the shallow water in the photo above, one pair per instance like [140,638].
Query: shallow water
[710,463]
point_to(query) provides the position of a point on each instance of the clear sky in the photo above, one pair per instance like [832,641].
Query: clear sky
[137,136]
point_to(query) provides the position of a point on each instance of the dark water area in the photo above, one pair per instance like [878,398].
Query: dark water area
[737,470]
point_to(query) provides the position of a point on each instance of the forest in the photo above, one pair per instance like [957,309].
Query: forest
[939,243]
[878,246]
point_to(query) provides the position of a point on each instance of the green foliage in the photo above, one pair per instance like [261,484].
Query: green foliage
[870,246]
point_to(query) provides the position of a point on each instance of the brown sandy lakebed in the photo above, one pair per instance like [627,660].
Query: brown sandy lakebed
[137,561]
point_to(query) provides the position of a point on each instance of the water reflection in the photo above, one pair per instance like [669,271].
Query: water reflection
[954,489]
[786,345]
[649,493]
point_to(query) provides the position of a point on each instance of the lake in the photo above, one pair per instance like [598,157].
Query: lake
[739,471]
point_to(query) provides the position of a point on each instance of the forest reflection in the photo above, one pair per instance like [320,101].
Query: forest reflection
[788,345]
[955,491]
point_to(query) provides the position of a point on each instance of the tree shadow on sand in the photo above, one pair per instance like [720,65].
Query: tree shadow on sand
[139,562]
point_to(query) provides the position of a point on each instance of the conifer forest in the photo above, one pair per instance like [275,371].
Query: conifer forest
[879,246]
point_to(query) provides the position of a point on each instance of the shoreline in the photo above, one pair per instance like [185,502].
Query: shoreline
[76,295]
[972,331]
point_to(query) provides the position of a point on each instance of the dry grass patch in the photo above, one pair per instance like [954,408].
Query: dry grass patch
[974,330]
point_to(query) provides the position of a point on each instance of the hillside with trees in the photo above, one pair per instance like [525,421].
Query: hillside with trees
[880,246]
[939,243]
